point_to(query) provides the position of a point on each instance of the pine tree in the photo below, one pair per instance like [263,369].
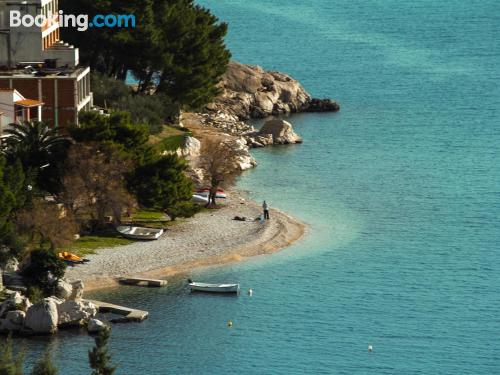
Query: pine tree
[99,358]
[10,364]
[45,366]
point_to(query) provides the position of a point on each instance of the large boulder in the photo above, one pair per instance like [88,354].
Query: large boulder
[64,289]
[75,313]
[77,292]
[13,321]
[42,317]
[281,131]
[191,148]
[95,326]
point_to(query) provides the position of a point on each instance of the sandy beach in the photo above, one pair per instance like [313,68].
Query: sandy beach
[210,238]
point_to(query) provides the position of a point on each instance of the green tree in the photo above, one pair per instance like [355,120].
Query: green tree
[176,45]
[45,366]
[117,131]
[99,357]
[194,56]
[162,185]
[10,364]
[44,269]
[12,197]
[41,151]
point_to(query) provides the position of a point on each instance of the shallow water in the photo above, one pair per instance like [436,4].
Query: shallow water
[400,189]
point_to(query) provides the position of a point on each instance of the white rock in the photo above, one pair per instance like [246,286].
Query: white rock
[77,293]
[42,317]
[12,265]
[191,149]
[13,322]
[14,302]
[75,313]
[64,289]
[95,326]
[282,132]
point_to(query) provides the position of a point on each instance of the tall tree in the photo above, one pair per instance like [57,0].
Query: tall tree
[194,56]
[45,366]
[10,364]
[12,197]
[218,160]
[95,185]
[176,45]
[99,357]
[162,185]
[40,150]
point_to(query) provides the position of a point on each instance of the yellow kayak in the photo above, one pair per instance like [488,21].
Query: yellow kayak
[70,257]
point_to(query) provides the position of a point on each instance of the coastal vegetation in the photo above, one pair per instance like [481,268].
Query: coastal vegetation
[176,50]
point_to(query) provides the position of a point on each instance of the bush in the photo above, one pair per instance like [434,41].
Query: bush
[163,186]
[43,270]
[35,294]
[183,209]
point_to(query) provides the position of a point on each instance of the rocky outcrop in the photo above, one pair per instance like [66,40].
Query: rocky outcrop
[251,92]
[242,157]
[42,317]
[322,105]
[95,326]
[75,313]
[281,131]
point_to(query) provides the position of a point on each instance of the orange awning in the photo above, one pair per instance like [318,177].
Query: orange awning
[29,103]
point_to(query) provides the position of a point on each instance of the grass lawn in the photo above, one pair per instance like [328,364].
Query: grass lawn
[149,215]
[170,138]
[89,244]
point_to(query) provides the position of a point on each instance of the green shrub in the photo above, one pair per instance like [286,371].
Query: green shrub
[43,270]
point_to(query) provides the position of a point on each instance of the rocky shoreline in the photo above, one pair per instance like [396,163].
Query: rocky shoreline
[250,92]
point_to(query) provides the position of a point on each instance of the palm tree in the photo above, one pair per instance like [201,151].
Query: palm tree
[39,149]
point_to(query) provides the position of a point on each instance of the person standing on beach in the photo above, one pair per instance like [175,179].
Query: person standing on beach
[266,210]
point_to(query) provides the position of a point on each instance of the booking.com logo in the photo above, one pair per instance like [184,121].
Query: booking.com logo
[80,22]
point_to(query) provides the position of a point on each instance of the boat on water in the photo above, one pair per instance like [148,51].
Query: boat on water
[214,288]
[139,233]
[71,259]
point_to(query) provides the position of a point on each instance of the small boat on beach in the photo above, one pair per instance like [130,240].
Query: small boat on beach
[71,259]
[206,192]
[139,233]
[199,199]
[214,288]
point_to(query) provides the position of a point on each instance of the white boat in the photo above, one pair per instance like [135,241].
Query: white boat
[199,199]
[214,288]
[139,233]
[205,193]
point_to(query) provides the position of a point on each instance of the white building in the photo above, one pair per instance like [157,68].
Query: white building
[15,108]
[33,44]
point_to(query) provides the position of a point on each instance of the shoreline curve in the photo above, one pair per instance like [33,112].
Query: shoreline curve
[209,239]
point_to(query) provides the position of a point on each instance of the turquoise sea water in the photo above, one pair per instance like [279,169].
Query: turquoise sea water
[401,190]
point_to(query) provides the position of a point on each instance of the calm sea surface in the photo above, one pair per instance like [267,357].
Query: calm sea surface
[401,190]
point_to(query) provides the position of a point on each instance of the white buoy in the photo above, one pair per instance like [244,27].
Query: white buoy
[370,348]
[250,292]
[229,323]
